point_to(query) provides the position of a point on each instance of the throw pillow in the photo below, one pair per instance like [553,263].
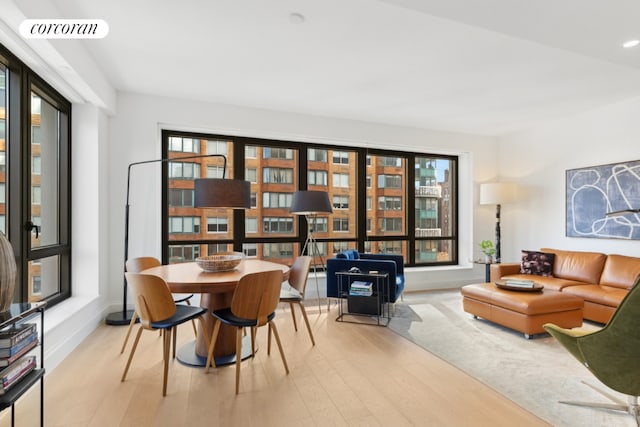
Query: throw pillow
[348,254]
[538,263]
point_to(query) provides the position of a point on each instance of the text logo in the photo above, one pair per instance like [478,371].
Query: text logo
[64,28]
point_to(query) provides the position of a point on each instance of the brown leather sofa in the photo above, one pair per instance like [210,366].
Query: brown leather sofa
[601,280]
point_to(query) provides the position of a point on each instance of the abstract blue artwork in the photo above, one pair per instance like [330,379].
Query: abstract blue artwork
[593,191]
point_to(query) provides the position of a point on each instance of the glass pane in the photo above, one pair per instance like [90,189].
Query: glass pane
[184,253]
[336,173]
[44,278]
[274,173]
[45,152]
[3,149]
[396,247]
[186,222]
[388,196]
[282,253]
[434,251]
[433,197]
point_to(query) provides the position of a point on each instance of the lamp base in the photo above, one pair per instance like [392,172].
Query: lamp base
[119,318]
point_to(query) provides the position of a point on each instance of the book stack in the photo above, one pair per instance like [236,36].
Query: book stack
[15,342]
[361,289]
[520,283]
[15,372]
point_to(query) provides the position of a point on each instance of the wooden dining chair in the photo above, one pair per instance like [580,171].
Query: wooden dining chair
[157,310]
[136,265]
[293,291]
[254,302]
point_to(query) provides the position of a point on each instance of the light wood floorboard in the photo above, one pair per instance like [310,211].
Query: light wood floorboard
[356,375]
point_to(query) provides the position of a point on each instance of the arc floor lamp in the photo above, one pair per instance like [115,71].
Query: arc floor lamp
[208,193]
[311,204]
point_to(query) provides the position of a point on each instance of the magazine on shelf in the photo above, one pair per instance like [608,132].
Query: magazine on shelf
[14,373]
[6,361]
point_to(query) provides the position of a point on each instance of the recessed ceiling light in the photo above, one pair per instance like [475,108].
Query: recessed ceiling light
[631,43]
[296,18]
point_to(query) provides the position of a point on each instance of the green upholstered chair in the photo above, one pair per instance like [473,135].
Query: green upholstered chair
[612,353]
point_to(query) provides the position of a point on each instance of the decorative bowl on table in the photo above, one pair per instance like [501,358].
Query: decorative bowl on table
[222,261]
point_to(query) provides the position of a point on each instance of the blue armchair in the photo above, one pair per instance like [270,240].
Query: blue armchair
[345,260]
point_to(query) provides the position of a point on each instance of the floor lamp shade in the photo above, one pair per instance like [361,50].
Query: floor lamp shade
[497,193]
[310,202]
[222,193]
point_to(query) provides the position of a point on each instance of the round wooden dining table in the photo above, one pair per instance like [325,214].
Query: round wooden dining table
[216,291]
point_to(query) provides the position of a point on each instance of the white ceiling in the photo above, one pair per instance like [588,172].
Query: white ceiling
[479,66]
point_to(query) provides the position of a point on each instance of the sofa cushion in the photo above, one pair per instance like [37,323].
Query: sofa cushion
[550,283]
[539,263]
[620,271]
[597,294]
[574,265]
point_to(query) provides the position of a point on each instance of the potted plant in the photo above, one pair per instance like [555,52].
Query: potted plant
[487,248]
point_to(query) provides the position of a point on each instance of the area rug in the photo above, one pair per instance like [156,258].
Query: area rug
[534,373]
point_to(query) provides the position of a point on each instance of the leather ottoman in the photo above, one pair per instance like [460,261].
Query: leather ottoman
[523,311]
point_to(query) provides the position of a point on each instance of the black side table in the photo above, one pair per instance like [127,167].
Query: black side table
[487,269]
[368,306]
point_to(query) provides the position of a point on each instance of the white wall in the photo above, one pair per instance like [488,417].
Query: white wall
[135,136]
[69,322]
[538,159]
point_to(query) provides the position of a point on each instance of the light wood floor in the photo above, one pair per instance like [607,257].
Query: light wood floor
[356,375]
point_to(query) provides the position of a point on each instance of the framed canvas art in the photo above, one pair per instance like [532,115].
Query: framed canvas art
[594,191]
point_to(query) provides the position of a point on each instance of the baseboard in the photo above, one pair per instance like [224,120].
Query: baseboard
[67,325]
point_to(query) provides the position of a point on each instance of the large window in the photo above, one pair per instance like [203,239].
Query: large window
[383,202]
[35,145]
